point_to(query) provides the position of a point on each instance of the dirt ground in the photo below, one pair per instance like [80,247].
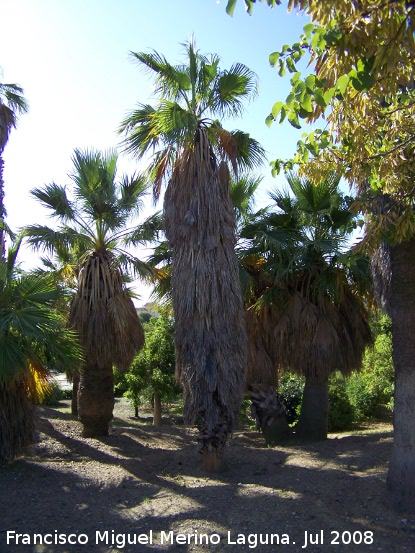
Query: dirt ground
[146,484]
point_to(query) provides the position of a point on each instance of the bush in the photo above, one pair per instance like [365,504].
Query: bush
[53,394]
[341,410]
[371,389]
[290,392]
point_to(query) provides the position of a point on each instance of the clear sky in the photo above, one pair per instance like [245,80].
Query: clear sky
[72,59]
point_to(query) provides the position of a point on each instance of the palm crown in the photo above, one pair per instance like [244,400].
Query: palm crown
[12,103]
[99,217]
[190,97]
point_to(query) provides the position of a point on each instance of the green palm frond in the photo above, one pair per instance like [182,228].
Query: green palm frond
[170,81]
[138,126]
[54,197]
[147,231]
[132,191]
[234,86]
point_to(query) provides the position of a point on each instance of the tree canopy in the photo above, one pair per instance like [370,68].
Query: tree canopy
[359,100]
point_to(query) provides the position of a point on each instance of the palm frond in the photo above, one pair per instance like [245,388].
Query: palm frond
[54,197]
[234,86]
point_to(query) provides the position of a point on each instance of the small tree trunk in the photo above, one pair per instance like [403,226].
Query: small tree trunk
[401,479]
[95,400]
[157,410]
[136,411]
[313,421]
[75,387]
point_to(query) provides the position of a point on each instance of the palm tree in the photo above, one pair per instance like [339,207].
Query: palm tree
[95,224]
[12,104]
[31,331]
[315,292]
[192,152]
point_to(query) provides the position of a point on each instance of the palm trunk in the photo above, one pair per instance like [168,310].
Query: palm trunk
[17,420]
[75,388]
[2,211]
[210,332]
[157,410]
[95,400]
[401,474]
[313,422]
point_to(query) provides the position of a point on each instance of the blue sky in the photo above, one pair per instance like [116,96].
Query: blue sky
[72,59]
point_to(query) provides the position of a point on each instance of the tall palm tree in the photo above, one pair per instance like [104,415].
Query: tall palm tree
[31,331]
[194,154]
[95,224]
[12,104]
[315,296]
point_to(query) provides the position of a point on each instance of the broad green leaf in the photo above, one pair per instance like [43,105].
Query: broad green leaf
[342,83]
[293,119]
[281,71]
[230,7]
[310,82]
[319,98]
[328,95]
[276,108]
[291,65]
[316,39]
[273,58]
[308,28]
[269,120]
[290,99]
[306,104]
[295,77]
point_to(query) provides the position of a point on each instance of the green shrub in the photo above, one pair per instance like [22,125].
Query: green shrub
[245,415]
[53,395]
[371,389]
[290,392]
[341,410]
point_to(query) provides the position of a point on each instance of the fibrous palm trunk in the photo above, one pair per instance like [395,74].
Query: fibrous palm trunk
[401,475]
[210,333]
[2,210]
[111,333]
[313,421]
[95,400]
[17,422]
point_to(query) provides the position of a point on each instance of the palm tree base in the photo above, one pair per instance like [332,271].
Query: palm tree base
[95,400]
[212,461]
[313,421]
[17,423]
[93,430]
[277,432]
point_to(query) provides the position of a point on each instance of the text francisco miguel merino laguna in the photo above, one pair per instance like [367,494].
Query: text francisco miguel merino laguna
[120,540]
